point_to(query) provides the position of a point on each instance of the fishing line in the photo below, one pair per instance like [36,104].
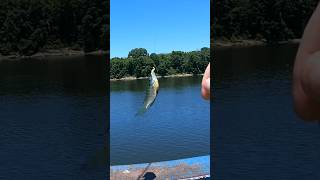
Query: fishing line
[154,29]
[144,171]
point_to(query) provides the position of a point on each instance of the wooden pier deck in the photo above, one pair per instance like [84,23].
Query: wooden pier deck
[183,169]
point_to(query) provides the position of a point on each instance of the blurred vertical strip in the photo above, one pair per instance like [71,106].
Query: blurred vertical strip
[107,41]
[212,71]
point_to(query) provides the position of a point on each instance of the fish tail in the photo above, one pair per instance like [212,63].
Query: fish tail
[141,111]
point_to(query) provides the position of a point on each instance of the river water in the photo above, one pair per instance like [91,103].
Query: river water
[53,118]
[256,134]
[176,126]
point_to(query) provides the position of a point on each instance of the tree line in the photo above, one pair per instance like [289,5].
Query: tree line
[139,63]
[28,26]
[271,20]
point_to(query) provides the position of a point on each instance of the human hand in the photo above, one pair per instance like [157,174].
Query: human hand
[306,75]
[205,85]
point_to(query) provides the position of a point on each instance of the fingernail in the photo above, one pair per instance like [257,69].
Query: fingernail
[207,84]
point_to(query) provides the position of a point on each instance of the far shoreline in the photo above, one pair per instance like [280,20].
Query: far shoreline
[67,52]
[48,53]
[130,78]
[249,43]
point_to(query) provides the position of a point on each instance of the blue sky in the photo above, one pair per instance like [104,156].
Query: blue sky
[160,26]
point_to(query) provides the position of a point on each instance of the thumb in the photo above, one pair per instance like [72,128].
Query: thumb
[311,77]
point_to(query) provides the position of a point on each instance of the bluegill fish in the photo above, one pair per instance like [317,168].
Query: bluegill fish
[151,94]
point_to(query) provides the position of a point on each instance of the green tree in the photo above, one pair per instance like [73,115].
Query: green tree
[118,68]
[164,65]
[272,20]
[155,58]
[193,62]
[138,52]
[177,60]
[31,25]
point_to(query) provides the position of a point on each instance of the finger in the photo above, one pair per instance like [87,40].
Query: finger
[306,87]
[206,74]
[310,41]
[310,78]
[205,85]
[205,90]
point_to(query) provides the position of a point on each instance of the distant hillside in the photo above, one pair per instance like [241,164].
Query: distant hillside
[28,26]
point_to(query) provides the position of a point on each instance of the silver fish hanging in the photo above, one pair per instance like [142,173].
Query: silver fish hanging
[151,93]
